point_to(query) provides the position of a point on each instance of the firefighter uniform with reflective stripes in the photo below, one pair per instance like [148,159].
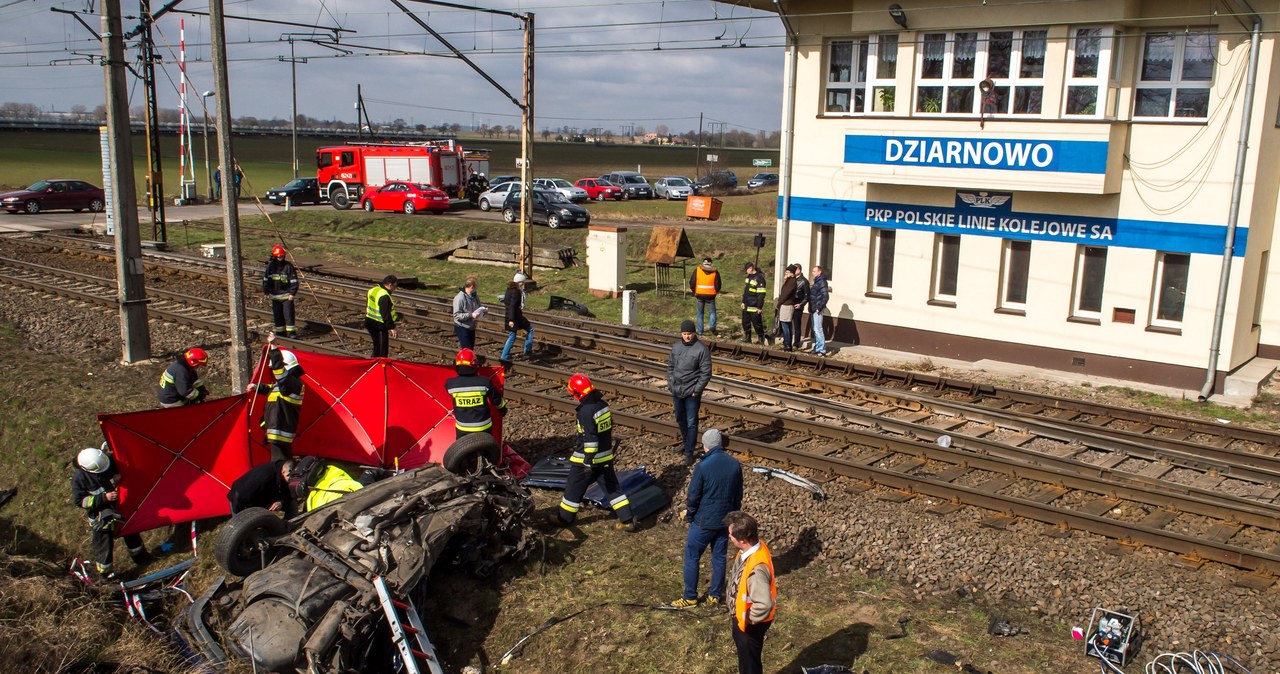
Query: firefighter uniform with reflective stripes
[592,461]
[88,491]
[181,385]
[280,284]
[380,319]
[284,405]
[472,395]
[753,293]
[330,483]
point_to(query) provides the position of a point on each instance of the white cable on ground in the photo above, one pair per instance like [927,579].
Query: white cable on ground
[1196,662]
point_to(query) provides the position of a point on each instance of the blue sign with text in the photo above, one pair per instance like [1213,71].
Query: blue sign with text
[1006,154]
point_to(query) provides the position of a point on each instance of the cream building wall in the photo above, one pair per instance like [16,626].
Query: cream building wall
[1162,185]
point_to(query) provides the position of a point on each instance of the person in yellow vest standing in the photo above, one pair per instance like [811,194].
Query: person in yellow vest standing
[705,284]
[752,591]
[380,316]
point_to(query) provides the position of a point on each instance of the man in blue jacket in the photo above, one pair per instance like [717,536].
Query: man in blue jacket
[714,491]
[818,294]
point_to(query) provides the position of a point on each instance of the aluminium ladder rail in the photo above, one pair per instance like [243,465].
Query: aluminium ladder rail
[398,614]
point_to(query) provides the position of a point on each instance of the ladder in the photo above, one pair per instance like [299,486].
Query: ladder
[403,618]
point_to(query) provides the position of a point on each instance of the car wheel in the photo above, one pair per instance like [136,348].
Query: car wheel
[465,455]
[339,198]
[509,214]
[32,206]
[409,208]
[240,549]
[626,195]
[96,206]
[553,221]
[367,205]
[599,196]
[484,205]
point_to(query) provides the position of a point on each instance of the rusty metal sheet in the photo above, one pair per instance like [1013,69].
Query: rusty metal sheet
[667,244]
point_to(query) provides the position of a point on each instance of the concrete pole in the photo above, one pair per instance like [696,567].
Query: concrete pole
[131,289]
[239,354]
[526,151]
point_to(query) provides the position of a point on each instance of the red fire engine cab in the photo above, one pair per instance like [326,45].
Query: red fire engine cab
[346,171]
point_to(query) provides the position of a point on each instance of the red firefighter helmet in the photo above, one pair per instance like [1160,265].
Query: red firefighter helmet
[196,357]
[465,357]
[580,386]
[277,251]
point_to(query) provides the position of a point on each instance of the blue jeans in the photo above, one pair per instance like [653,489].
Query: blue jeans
[819,340]
[786,334]
[694,544]
[687,420]
[511,339]
[710,307]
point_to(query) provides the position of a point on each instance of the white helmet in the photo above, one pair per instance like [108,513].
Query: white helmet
[93,460]
[290,360]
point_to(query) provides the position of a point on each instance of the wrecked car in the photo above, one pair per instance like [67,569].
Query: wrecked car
[318,590]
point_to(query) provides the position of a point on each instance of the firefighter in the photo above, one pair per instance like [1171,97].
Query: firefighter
[95,487]
[284,400]
[592,461]
[280,284]
[472,395]
[180,384]
[380,316]
[753,292]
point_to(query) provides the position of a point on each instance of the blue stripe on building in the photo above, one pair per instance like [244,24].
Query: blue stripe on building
[1171,237]
[999,154]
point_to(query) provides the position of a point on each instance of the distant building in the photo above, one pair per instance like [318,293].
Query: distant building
[1044,183]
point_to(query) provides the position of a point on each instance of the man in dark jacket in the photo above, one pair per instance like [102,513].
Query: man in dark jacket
[714,491]
[753,292]
[280,284]
[818,295]
[264,486]
[472,395]
[94,487]
[380,316]
[515,319]
[688,373]
[592,461]
[180,384]
[801,300]
[705,284]
[284,400]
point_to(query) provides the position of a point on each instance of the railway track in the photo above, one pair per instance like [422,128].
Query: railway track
[1205,491]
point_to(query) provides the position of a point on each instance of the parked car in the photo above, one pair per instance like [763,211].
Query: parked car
[633,185]
[599,189]
[568,189]
[297,191]
[673,187]
[53,194]
[763,180]
[496,195]
[503,179]
[723,179]
[549,207]
[407,197]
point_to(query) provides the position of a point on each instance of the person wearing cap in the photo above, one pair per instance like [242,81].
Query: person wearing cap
[466,311]
[592,460]
[473,394]
[784,309]
[180,384]
[705,284]
[380,316]
[284,400]
[688,373]
[280,284]
[799,302]
[715,490]
[515,320]
[95,488]
[753,291]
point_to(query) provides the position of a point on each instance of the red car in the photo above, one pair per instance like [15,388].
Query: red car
[49,194]
[407,197]
[599,189]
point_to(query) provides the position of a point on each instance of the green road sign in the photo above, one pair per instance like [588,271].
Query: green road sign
[762,162]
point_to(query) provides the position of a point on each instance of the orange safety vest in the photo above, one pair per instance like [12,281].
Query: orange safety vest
[704,283]
[740,604]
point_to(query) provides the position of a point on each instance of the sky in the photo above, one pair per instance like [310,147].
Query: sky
[615,65]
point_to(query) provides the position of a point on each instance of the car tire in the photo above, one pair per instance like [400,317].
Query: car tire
[509,215]
[599,196]
[409,208]
[626,196]
[31,207]
[238,548]
[485,205]
[367,205]
[464,456]
[339,199]
[553,221]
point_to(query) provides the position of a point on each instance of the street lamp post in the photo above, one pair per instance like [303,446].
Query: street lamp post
[208,176]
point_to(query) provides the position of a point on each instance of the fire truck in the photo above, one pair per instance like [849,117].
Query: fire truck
[346,171]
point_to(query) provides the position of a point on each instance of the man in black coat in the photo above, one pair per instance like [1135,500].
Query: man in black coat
[264,486]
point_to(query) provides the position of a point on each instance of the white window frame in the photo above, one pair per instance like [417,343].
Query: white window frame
[1176,81]
[939,268]
[1103,81]
[1162,285]
[872,82]
[1013,81]
[1006,275]
[878,237]
[1078,286]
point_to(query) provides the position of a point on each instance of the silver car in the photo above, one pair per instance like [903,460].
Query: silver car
[569,190]
[495,196]
[673,187]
